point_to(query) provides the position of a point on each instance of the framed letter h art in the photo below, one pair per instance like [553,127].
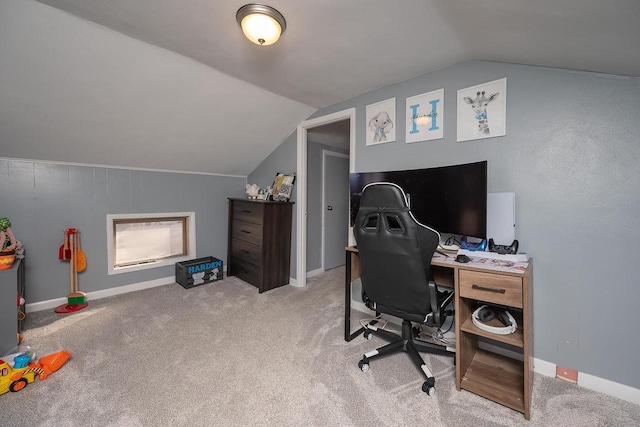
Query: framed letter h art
[426,116]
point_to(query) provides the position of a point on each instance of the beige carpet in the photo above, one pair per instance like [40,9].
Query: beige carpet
[222,354]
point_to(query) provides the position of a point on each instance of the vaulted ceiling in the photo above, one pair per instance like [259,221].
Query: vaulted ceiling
[237,98]
[334,49]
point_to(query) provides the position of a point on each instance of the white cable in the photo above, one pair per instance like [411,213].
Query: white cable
[365,322]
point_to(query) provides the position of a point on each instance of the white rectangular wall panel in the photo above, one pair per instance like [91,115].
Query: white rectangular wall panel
[501,218]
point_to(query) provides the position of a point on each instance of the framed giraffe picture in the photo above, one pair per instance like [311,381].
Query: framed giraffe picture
[482,111]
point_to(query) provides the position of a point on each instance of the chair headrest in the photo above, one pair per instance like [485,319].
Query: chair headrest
[385,195]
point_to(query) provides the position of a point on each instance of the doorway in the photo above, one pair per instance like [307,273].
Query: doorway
[301,173]
[335,208]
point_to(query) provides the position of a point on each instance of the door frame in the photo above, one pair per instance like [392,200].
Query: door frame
[301,174]
[323,206]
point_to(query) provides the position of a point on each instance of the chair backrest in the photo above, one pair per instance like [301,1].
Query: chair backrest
[395,252]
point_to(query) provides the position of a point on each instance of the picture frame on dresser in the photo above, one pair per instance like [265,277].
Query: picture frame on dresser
[283,187]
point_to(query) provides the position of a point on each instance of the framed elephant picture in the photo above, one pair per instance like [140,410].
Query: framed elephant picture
[381,119]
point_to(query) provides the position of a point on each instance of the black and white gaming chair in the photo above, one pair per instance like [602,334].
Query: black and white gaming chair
[395,261]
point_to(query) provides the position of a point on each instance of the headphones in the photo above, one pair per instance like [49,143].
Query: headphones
[484,313]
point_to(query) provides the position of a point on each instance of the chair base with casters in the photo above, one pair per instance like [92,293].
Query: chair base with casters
[405,343]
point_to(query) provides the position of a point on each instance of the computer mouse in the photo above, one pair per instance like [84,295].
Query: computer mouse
[463,258]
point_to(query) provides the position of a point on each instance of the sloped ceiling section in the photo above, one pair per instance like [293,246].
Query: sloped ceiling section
[174,85]
[74,91]
[333,50]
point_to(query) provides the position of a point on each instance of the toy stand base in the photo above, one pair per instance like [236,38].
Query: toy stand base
[70,308]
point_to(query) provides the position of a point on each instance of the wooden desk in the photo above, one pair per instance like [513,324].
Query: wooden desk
[351,274]
[493,376]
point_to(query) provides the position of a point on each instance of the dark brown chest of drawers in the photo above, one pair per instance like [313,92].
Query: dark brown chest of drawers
[259,250]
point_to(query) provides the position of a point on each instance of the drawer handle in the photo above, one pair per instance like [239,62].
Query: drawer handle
[244,251]
[484,288]
[246,211]
[245,231]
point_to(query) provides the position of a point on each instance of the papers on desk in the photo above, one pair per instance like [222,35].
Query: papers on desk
[494,255]
[486,263]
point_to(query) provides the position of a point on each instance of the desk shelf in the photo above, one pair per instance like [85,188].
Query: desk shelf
[496,377]
[516,339]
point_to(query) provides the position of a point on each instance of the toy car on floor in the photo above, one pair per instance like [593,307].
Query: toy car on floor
[18,370]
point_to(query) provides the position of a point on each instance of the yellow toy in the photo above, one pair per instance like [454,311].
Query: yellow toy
[15,376]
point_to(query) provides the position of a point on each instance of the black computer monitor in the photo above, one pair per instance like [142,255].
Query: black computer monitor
[450,199]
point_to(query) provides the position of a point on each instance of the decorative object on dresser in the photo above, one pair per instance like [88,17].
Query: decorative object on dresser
[259,247]
[283,186]
[252,191]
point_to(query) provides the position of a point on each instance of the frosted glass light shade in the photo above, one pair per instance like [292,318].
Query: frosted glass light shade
[422,120]
[261,24]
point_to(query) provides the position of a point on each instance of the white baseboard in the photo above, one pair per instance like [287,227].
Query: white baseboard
[610,388]
[543,367]
[53,303]
[294,282]
[591,382]
[314,272]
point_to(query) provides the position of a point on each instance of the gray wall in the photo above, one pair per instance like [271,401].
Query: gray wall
[282,159]
[43,199]
[571,155]
[314,202]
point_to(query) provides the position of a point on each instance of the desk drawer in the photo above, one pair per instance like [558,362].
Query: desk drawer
[246,251]
[491,288]
[247,231]
[248,211]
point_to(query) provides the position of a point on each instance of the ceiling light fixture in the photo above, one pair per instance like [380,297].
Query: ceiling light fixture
[424,119]
[260,23]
